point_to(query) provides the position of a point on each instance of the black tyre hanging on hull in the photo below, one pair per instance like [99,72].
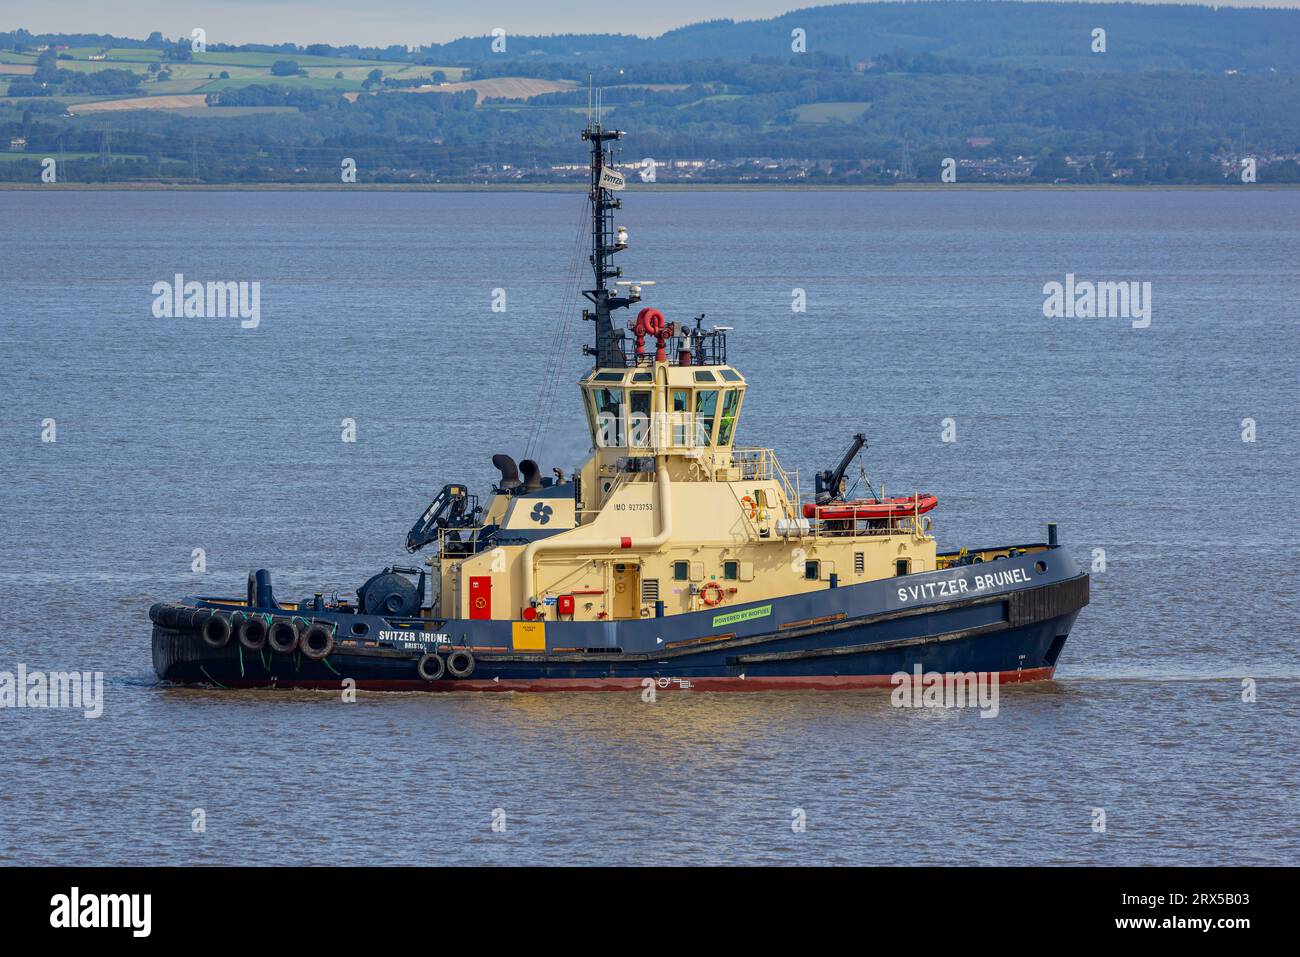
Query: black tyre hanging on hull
[252,633]
[318,642]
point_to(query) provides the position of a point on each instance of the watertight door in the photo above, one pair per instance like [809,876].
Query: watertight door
[627,587]
[480,596]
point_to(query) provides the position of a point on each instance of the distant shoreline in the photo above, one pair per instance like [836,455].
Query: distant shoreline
[640,187]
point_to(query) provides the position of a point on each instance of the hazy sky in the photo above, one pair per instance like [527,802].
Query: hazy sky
[382,22]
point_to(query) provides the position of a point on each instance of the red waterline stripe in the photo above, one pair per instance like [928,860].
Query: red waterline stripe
[790,683]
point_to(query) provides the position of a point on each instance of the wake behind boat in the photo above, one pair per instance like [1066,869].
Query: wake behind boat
[672,556]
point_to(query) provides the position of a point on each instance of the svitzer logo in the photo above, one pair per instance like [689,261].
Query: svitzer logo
[102,910]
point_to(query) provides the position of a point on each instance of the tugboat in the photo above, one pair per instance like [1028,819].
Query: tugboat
[672,557]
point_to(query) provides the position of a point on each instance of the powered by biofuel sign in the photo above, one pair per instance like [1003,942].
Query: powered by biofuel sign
[748,614]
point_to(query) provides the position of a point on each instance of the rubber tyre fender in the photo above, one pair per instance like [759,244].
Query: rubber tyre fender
[460,663]
[317,642]
[216,631]
[431,667]
[282,636]
[252,633]
[168,616]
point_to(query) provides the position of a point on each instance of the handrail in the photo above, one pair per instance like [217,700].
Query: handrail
[761,464]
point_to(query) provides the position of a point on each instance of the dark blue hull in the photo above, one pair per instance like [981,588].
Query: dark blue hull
[1009,617]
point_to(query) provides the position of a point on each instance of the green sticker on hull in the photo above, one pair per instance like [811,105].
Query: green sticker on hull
[749,614]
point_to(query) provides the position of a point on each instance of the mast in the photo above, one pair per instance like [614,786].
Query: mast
[610,348]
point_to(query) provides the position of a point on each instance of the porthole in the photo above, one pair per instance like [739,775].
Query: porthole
[1040,567]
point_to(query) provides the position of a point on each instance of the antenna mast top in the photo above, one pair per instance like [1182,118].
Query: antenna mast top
[605,181]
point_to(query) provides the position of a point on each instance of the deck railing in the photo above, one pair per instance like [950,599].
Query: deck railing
[761,465]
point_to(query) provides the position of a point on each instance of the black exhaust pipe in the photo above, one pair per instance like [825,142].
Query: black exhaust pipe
[532,475]
[509,471]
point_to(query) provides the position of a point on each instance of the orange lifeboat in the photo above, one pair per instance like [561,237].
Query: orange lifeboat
[899,507]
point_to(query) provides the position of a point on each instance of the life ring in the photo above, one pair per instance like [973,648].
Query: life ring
[282,636]
[460,663]
[711,593]
[252,633]
[216,631]
[431,667]
[318,642]
[750,507]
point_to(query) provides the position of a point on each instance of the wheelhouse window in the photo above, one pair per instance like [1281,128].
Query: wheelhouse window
[607,405]
[638,420]
[730,403]
[680,407]
[706,411]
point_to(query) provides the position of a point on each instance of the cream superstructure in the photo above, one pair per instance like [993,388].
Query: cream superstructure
[665,510]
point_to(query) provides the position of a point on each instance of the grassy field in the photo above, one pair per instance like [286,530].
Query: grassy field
[825,112]
[176,101]
[203,73]
[302,59]
[309,82]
